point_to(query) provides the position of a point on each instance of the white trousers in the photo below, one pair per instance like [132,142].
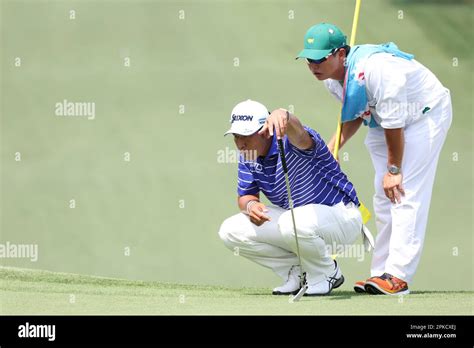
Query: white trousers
[273,244]
[401,227]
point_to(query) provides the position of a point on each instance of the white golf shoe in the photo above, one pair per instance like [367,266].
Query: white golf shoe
[324,287]
[292,284]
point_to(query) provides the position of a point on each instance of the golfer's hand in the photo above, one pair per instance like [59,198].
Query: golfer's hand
[257,214]
[278,122]
[392,185]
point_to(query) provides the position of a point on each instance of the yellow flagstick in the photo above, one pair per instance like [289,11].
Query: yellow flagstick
[363,210]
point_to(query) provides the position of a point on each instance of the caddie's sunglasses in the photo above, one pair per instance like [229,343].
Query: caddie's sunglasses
[319,61]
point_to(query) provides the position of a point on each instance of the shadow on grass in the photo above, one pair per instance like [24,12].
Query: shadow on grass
[335,295]
[344,295]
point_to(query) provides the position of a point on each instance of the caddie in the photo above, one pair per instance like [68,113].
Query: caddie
[325,201]
[408,112]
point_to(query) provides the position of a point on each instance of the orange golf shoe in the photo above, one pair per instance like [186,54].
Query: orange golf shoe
[359,286]
[386,284]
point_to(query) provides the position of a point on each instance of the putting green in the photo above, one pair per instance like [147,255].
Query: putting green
[41,292]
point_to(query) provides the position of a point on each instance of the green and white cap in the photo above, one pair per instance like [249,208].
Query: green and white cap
[247,117]
[320,40]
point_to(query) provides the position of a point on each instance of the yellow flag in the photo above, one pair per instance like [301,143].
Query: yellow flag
[365,213]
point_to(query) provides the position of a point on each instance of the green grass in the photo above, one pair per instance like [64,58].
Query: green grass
[24,291]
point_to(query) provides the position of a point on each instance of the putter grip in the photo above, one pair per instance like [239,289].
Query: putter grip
[282,155]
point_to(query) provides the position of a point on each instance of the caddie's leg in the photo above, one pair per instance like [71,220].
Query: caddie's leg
[423,143]
[375,143]
[261,244]
[319,226]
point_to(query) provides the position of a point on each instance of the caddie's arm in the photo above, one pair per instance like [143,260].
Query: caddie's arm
[392,183]
[389,88]
[395,146]
[251,205]
[283,122]
[348,130]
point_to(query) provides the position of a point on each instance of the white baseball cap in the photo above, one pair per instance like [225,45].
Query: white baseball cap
[247,117]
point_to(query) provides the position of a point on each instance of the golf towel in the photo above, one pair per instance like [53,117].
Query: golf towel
[355,102]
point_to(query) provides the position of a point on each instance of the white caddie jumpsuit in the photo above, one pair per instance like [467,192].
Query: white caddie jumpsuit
[403,94]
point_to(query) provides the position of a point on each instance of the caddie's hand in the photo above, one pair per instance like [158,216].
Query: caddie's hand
[392,185]
[256,212]
[276,122]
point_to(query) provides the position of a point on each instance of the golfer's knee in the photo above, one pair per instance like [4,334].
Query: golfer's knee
[225,230]
[230,232]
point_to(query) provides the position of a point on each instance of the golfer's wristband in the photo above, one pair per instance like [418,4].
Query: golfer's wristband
[249,206]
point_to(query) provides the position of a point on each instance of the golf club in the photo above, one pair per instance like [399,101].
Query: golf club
[303,283]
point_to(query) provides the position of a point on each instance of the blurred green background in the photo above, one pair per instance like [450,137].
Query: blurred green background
[166,204]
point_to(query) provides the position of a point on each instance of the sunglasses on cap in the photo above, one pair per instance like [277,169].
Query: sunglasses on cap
[319,61]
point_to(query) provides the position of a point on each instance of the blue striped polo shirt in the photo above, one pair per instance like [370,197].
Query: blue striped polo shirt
[315,176]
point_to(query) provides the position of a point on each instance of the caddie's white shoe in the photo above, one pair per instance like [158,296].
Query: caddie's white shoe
[325,287]
[292,284]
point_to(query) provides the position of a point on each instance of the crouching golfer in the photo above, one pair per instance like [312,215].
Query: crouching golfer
[325,201]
